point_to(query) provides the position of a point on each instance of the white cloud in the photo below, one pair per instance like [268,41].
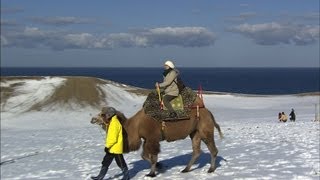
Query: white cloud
[61,21]
[33,31]
[181,36]
[241,17]
[177,36]
[8,23]
[312,16]
[275,33]
[4,41]
[11,10]
[82,40]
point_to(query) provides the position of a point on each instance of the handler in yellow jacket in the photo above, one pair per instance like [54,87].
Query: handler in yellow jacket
[114,144]
[114,138]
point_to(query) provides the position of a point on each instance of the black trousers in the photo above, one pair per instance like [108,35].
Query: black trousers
[166,102]
[107,160]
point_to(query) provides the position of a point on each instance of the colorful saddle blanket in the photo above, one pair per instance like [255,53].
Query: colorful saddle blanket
[152,105]
[176,103]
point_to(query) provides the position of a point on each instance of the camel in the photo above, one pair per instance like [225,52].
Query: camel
[143,127]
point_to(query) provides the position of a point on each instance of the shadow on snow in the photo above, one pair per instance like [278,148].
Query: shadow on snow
[167,164]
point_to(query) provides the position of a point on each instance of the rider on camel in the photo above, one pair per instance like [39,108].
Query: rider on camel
[169,86]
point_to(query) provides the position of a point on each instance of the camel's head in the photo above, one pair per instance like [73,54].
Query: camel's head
[99,120]
[103,118]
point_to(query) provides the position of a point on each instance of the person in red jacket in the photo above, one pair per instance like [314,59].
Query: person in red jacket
[113,145]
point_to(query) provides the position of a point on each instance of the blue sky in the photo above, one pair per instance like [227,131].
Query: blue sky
[144,33]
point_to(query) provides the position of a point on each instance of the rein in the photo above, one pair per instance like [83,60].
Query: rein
[104,123]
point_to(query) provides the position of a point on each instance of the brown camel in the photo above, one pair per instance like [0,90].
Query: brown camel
[142,126]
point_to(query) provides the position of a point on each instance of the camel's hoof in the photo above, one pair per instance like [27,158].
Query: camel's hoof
[185,170]
[211,170]
[151,175]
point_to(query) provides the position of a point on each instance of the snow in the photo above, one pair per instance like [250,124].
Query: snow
[29,92]
[62,144]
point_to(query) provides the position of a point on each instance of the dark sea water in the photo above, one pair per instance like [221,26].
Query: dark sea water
[234,80]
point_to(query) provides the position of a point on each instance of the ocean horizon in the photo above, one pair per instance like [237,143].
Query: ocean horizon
[245,80]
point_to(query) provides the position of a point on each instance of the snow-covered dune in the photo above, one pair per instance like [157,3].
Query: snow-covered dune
[46,133]
[49,101]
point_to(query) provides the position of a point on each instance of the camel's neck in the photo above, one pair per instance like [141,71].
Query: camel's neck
[131,127]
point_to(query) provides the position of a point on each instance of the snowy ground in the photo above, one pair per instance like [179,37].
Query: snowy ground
[62,144]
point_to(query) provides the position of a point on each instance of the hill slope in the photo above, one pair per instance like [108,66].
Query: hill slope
[23,94]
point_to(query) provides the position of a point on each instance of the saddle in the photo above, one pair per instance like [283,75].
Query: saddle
[176,103]
[181,104]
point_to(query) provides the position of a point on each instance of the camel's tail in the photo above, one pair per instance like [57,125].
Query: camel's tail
[216,125]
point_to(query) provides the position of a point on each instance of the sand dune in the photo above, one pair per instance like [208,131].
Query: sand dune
[70,92]
[48,92]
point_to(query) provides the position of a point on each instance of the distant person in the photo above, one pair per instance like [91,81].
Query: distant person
[169,86]
[284,117]
[292,115]
[279,116]
[113,144]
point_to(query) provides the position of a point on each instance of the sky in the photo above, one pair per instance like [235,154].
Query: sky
[144,33]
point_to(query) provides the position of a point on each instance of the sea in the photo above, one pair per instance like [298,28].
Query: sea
[259,81]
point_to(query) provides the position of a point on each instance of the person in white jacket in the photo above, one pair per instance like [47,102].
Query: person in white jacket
[169,86]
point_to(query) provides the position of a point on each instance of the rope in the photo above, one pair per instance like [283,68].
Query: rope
[101,133]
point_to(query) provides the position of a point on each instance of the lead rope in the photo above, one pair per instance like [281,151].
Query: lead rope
[163,126]
[101,133]
[199,94]
[106,124]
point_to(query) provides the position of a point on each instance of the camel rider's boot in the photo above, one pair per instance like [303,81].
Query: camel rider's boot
[126,175]
[102,173]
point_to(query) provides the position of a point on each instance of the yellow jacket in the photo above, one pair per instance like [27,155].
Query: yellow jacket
[114,138]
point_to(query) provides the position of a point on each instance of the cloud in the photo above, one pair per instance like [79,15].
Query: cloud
[32,37]
[241,17]
[61,21]
[11,10]
[8,23]
[4,41]
[312,16]
[244,5]
[275,33]
[180,36]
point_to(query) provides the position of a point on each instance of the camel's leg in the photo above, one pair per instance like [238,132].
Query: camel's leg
[213,152]
[147,157]
[144,154]
[154,160]
[151,155]
[196,142]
